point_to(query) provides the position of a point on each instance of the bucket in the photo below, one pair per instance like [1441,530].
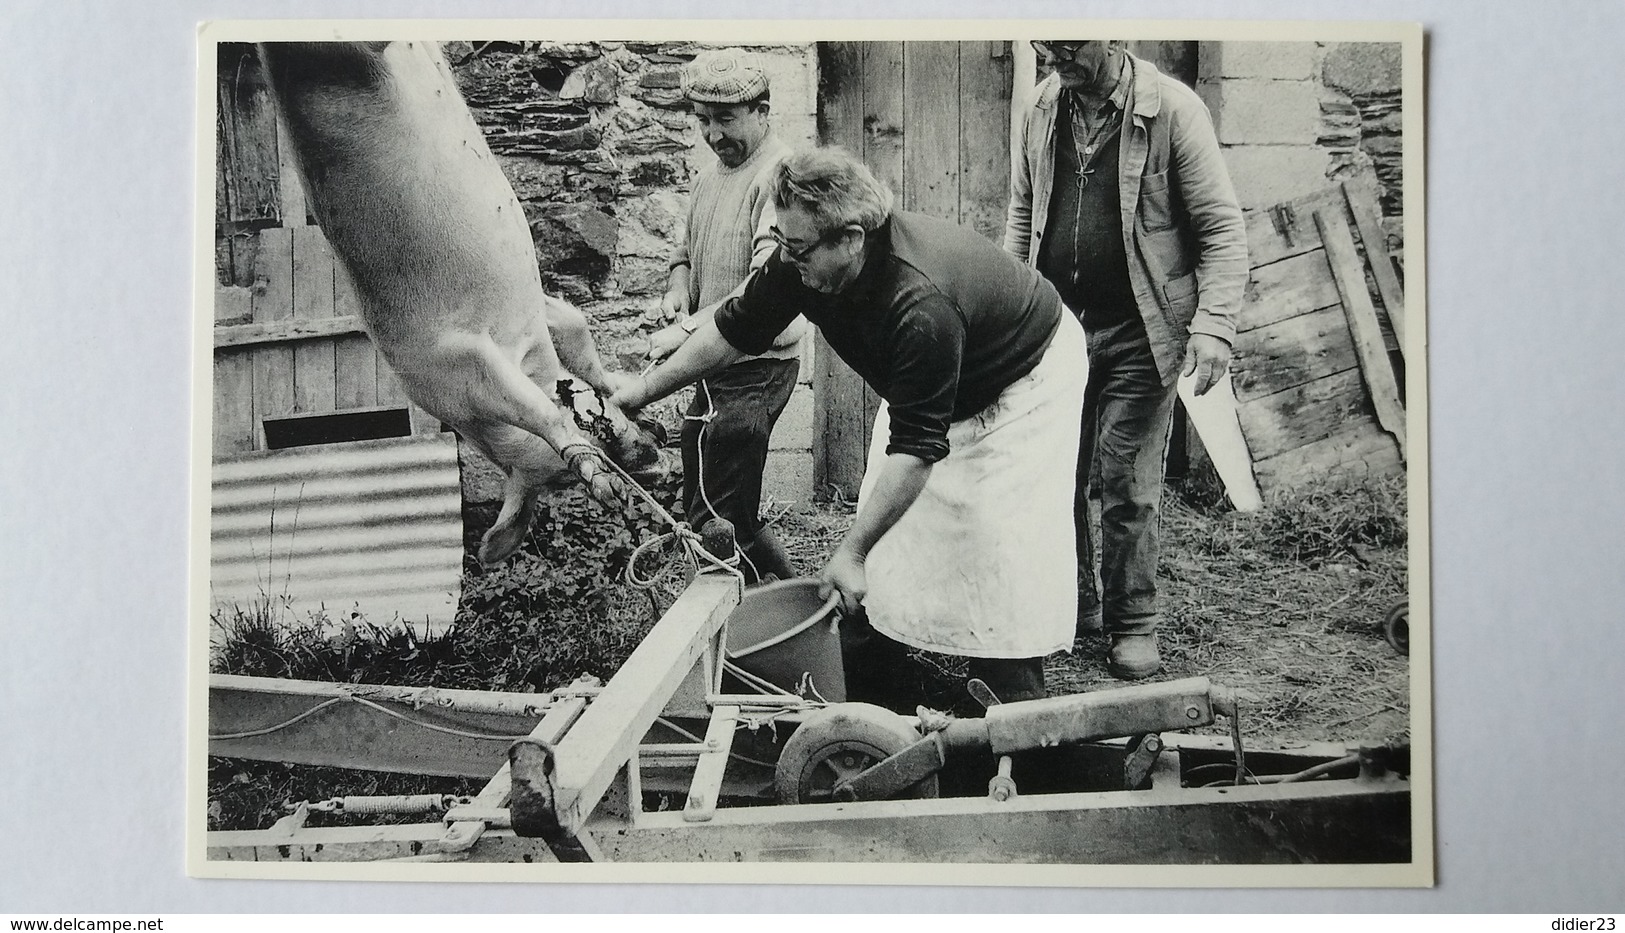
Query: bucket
[783,633]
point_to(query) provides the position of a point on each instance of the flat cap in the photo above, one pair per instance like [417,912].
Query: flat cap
[724,76]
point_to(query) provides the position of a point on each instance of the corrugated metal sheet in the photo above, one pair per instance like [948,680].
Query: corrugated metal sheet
[371,525]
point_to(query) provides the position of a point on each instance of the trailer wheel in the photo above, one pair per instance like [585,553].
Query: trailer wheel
[838,743]
[1396,627]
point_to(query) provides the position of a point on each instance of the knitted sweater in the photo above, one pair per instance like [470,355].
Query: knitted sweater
[730,212]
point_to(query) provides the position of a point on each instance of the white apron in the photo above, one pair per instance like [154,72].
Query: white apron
[984,563]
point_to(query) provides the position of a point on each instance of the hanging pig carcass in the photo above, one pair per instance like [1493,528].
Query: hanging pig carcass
[419,212]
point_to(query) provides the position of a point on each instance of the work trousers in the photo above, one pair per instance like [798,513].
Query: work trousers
[723,457]
[878,670]
[1127,410]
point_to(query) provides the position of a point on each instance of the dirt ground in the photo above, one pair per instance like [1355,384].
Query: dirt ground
[1287,604]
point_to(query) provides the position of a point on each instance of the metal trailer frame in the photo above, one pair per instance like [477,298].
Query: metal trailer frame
[611,744]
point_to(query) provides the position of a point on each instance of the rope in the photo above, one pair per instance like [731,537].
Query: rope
[287,723]
[699,457]
[574,453]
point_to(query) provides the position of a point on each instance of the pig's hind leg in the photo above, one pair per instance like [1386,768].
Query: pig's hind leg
[499,391]
[529,464]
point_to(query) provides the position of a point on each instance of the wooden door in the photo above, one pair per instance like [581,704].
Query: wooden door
[290,353]
[931,120]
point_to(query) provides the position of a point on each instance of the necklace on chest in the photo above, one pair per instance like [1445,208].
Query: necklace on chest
[1088,137]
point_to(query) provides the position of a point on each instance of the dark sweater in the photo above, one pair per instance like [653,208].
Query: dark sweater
[939,322]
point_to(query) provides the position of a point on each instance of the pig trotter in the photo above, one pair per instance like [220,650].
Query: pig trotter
[589,463]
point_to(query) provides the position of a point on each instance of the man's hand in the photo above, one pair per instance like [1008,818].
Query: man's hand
[665,341]
[674,305]
[844,574]
[1208,357]
[631,394]
[615,383]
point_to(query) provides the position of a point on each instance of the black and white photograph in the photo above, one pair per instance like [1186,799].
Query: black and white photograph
[930,453]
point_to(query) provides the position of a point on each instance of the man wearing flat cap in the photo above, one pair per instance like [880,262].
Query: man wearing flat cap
[730,218]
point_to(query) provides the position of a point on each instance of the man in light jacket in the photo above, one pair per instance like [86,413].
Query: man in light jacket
[1119,196]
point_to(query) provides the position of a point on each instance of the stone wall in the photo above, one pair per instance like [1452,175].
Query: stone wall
[1293,116]
[601,150]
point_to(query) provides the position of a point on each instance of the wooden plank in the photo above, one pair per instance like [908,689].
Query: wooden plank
[245,138]
[356,365]
[985,80]
[293,209]
[247,335]
[931,135]
[391,394]
[245,251]
[840,437]
[1362,320]
[234,430]
[884,112]
[356,735]
[701,804]
[1292,352]
[315,387]
[1287,288]
[844,438]
[1274,424]
[1363,207]
[1361,450]
[1287,229]
[608,733]
[273,303]
[232,305]
[1342,822]
[355,359]
[840,94]
[273,279]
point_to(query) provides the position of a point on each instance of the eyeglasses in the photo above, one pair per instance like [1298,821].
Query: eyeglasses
[1066,51]
[800,253]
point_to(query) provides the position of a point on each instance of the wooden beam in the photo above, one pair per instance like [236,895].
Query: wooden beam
[984,141]
[244,335]
[1342,821]
[354,356]
[607,735]
[293,186]
[930,171]
[1360,449]
[233,305]
[1292,352]
[273,307]
[707,787]
[1291,418]
[234,425]
[315,386]
[1363,206]
[462,835]
[375,735]
[1283,290]
[1362,318]
[1328,821]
